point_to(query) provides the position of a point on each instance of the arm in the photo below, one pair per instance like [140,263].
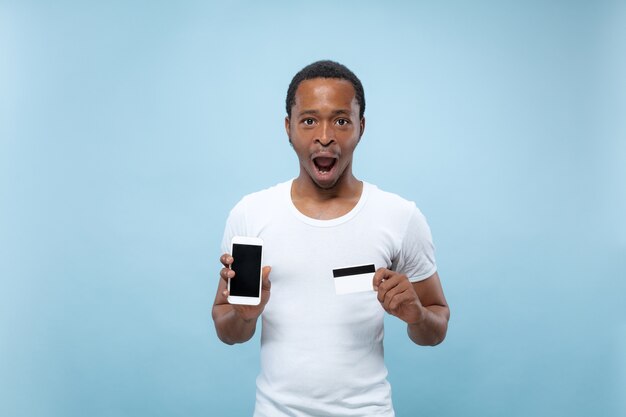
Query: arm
[422,305]
[236,323]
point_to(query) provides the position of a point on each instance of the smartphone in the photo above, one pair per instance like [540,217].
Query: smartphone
[245,288]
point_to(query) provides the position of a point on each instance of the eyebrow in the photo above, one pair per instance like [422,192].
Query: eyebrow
[315,112]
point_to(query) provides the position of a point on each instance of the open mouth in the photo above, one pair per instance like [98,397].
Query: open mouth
[324,164]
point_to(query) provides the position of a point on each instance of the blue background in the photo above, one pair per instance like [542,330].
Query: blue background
[119,126]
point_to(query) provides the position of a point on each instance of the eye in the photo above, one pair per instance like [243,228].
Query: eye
[308,121]
[342,122]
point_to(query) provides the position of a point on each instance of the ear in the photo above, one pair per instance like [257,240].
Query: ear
[362,126]
[288,128]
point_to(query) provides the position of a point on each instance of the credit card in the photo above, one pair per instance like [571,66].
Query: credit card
[353,279]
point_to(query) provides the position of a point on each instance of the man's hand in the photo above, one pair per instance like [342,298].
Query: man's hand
[246,312]
[421,305]
[237,323]
[397,296]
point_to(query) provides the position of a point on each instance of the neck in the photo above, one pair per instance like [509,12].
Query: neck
[325,203]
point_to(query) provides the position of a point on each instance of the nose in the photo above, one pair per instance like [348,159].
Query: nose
[327,135]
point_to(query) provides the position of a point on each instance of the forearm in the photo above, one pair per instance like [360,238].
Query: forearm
[432,327]
[230,327]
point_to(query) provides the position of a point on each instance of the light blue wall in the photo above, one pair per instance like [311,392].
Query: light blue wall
[504,121]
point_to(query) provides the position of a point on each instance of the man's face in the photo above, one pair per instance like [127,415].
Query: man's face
[324,129]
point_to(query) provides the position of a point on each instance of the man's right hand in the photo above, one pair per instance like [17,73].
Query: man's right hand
[245,312]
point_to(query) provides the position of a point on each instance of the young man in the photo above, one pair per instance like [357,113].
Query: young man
[322,353]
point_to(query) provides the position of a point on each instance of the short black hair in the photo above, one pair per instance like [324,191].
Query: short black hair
[325,69]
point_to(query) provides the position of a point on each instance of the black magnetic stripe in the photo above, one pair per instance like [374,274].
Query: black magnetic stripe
[353,270]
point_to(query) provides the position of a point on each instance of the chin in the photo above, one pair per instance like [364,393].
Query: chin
[325,183]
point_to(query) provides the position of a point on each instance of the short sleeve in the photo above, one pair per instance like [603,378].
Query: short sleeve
[417,253]
[235,226]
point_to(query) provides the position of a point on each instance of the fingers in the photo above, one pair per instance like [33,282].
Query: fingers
[389,292]
[226,259]
[226,274]
[225,293]
[393,290]
[395,298]
[381,275]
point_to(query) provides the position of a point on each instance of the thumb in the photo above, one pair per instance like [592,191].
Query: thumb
[266,277]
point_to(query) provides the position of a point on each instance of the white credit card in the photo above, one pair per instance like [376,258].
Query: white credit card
[354,279]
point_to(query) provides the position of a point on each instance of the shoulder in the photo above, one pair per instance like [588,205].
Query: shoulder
[391,203]
[395,212]
[269,198]
[255,211]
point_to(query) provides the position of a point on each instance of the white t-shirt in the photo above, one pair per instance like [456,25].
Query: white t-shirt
[322,353]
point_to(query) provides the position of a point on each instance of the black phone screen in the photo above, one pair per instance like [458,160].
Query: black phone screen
[247,267]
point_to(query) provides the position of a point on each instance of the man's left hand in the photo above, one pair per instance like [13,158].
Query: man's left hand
[397,296]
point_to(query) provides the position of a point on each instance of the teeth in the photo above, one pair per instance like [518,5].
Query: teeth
[325,167]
